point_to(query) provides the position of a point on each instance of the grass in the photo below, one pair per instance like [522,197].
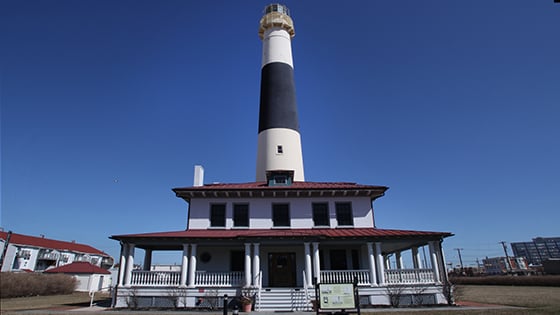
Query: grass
[76,299]
[529,300]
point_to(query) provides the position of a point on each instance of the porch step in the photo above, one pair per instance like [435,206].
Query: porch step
[284,299]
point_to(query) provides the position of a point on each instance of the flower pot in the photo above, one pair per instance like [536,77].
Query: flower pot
[246,307]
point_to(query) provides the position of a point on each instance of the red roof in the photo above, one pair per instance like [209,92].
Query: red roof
[42,242]
[294,185]
[79,267]
[280,233]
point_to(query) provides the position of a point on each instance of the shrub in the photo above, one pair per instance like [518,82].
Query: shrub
[32,284]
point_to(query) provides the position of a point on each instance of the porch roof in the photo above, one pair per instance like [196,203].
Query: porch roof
[296,189]
[304,234]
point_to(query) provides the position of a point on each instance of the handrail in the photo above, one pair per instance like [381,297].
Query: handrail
[259,288]
[306,291]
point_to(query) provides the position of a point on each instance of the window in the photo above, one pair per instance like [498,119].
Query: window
[237,260]
[241,215]
[281,214]
[338,259]
[279,149]
[320,214]
[355,259]
[218,215]
[344,213]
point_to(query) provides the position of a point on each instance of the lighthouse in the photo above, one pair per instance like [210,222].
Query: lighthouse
[279,141]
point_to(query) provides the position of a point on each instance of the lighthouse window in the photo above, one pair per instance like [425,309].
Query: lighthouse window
[279,149]
[218,215]
[344,213]
[281,214]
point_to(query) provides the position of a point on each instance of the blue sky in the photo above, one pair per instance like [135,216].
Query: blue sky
[455,105]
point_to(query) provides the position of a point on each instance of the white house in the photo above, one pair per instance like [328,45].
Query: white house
[275,237]
[90,278]
[24,252]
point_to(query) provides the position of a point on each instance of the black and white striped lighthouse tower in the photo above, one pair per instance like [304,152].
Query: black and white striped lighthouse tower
[279,142]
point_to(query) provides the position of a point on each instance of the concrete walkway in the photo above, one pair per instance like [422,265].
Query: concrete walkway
[109,311]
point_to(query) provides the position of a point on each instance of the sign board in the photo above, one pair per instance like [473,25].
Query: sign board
[337,296]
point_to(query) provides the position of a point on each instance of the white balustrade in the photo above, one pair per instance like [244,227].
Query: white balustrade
[172,278]
[155,278]
[345,276]
[219,279]
[409,276]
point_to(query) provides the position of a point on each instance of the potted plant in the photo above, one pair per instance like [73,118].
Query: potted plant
[246,300]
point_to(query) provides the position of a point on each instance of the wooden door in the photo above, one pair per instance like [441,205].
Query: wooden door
[282,269]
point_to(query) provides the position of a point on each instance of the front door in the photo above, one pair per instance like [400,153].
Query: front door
[282,269]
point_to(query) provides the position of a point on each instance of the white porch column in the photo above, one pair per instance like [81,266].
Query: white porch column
[129,265]
[308,280]
[380,264]
[147,260]
[247,264]
[256,265]
[398,258]
[316,262]
[416,259]
[434,260]
[184,266]
[371,259]
[444,278]
[122,263]
[192,266]
[387,261]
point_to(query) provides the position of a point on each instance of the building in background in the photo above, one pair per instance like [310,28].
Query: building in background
[90,278]
[21,252]
[506,265]
[538,250]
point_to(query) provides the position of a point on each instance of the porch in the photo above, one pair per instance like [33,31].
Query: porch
[274,268]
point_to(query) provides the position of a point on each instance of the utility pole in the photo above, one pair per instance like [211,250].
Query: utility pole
[504,245]
[460,259]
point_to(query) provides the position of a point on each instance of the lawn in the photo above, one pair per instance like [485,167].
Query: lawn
[530,300]
[79,299]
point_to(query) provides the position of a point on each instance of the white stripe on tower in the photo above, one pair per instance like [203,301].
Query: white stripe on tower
[279,142]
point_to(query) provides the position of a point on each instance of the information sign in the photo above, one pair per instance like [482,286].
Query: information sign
[337,296]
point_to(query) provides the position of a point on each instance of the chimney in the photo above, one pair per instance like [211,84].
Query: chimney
[198,176]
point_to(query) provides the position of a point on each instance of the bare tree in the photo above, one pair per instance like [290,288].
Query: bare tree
[395,292]
[177,297]
[132,299]
[418,295]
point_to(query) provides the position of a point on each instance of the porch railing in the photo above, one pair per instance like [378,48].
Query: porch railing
[219,279]
[345,276]
[409,276]
[155,278]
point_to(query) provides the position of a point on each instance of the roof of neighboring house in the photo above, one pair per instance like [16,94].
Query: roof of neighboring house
[327,233]
[79,267]
[33,241]
[296,189]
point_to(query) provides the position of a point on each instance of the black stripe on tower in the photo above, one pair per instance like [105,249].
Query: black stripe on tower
[278,107]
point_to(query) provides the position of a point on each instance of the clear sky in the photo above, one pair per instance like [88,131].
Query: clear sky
[455,105]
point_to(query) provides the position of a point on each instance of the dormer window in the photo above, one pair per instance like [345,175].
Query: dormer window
[280,178]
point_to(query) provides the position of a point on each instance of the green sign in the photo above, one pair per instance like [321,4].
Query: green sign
[336,296]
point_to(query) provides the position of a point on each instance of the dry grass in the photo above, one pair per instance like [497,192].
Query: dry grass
[76,299]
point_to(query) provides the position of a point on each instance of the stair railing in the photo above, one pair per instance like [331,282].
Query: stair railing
[259,289]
